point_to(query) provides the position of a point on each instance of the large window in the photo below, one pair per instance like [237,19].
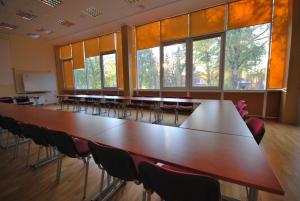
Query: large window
[206,62]
[109,70]
[246,57]
[92,66]
[88,77]
[80,78]
[148,67]
[174,65]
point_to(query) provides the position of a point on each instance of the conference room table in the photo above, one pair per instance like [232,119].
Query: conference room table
[229,157]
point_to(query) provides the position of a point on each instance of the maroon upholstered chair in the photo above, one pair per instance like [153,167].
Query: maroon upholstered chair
[244,114]
[173,185]
[257,128]
[241,105]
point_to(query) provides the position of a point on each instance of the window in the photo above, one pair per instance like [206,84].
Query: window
[148,66]
[174,65]
[246,57]
[80,78]
[92,66]
[206,62]
[109,70]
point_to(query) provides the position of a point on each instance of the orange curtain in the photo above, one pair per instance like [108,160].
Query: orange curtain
[174,28]
[91,47]
[279,44]
[120,61]
[107,42]
[65,52]
[78,55]
[148,36]
[133,55]
[207,21]
[68,74]
[249,12]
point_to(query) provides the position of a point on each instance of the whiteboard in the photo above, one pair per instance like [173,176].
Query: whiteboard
[39,82]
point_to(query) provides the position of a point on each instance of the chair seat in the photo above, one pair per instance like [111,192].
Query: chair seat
[168,107]
[82,147]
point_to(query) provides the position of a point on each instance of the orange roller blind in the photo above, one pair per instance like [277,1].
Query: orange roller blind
[107,43]
[174,28]
[249,12]
[120,61]
[208,21]
[65,52]
[78,55]
[91,47]
[148,36]
[68,74]
[279,44]
[133,55]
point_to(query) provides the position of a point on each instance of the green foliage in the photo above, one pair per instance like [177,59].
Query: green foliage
[110,70]
[148,68]
[246,57]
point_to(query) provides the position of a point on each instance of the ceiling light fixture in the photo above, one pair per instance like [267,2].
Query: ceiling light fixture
[52,3]
[65,23]
[33,35]
[7,26]
[92,11]
[25,15]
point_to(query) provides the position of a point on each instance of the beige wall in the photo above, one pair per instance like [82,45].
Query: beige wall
[30,55]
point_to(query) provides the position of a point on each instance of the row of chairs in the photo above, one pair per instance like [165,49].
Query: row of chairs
[255,125]
[121,107]
[119,166]
[20,100]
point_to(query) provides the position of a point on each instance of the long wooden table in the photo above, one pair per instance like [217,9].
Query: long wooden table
[232,158]
[218,116]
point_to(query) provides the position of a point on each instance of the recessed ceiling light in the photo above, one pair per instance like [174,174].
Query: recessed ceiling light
[25,15]
[52,3]
[7,26]
[92,11]
[65,23]
[33,36]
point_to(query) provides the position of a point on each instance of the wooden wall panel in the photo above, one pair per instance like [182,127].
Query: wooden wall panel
[176,94]
[273,104]
[147,93]
[206,95]
[254,101]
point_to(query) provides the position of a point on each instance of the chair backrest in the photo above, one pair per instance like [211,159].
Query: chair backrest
[36,133]
[257,128]
[12,126]
[64,143]
[170,103]
[117,163]
[186,104]
[173,185]
[244,114]
[241,105]
[22,99]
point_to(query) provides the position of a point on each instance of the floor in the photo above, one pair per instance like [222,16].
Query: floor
[281,145]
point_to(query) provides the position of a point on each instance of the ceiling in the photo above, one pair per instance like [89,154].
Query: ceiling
[114,13]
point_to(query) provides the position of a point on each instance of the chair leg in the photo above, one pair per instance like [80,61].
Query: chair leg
[58,170]
[17,139]
[28,153]
[148,196]
[86,161]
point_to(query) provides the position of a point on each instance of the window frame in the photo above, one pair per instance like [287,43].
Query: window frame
[222,35]
[102,70]
[169,43]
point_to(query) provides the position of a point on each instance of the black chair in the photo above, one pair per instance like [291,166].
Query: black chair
[23,100]
[172,185]
[116,163]
[72,147]
[170,107]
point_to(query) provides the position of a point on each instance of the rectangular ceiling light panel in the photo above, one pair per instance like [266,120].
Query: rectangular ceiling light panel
[52,3]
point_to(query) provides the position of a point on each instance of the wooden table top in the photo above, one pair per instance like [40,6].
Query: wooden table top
[154,99]
[218,116]
[232,158]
